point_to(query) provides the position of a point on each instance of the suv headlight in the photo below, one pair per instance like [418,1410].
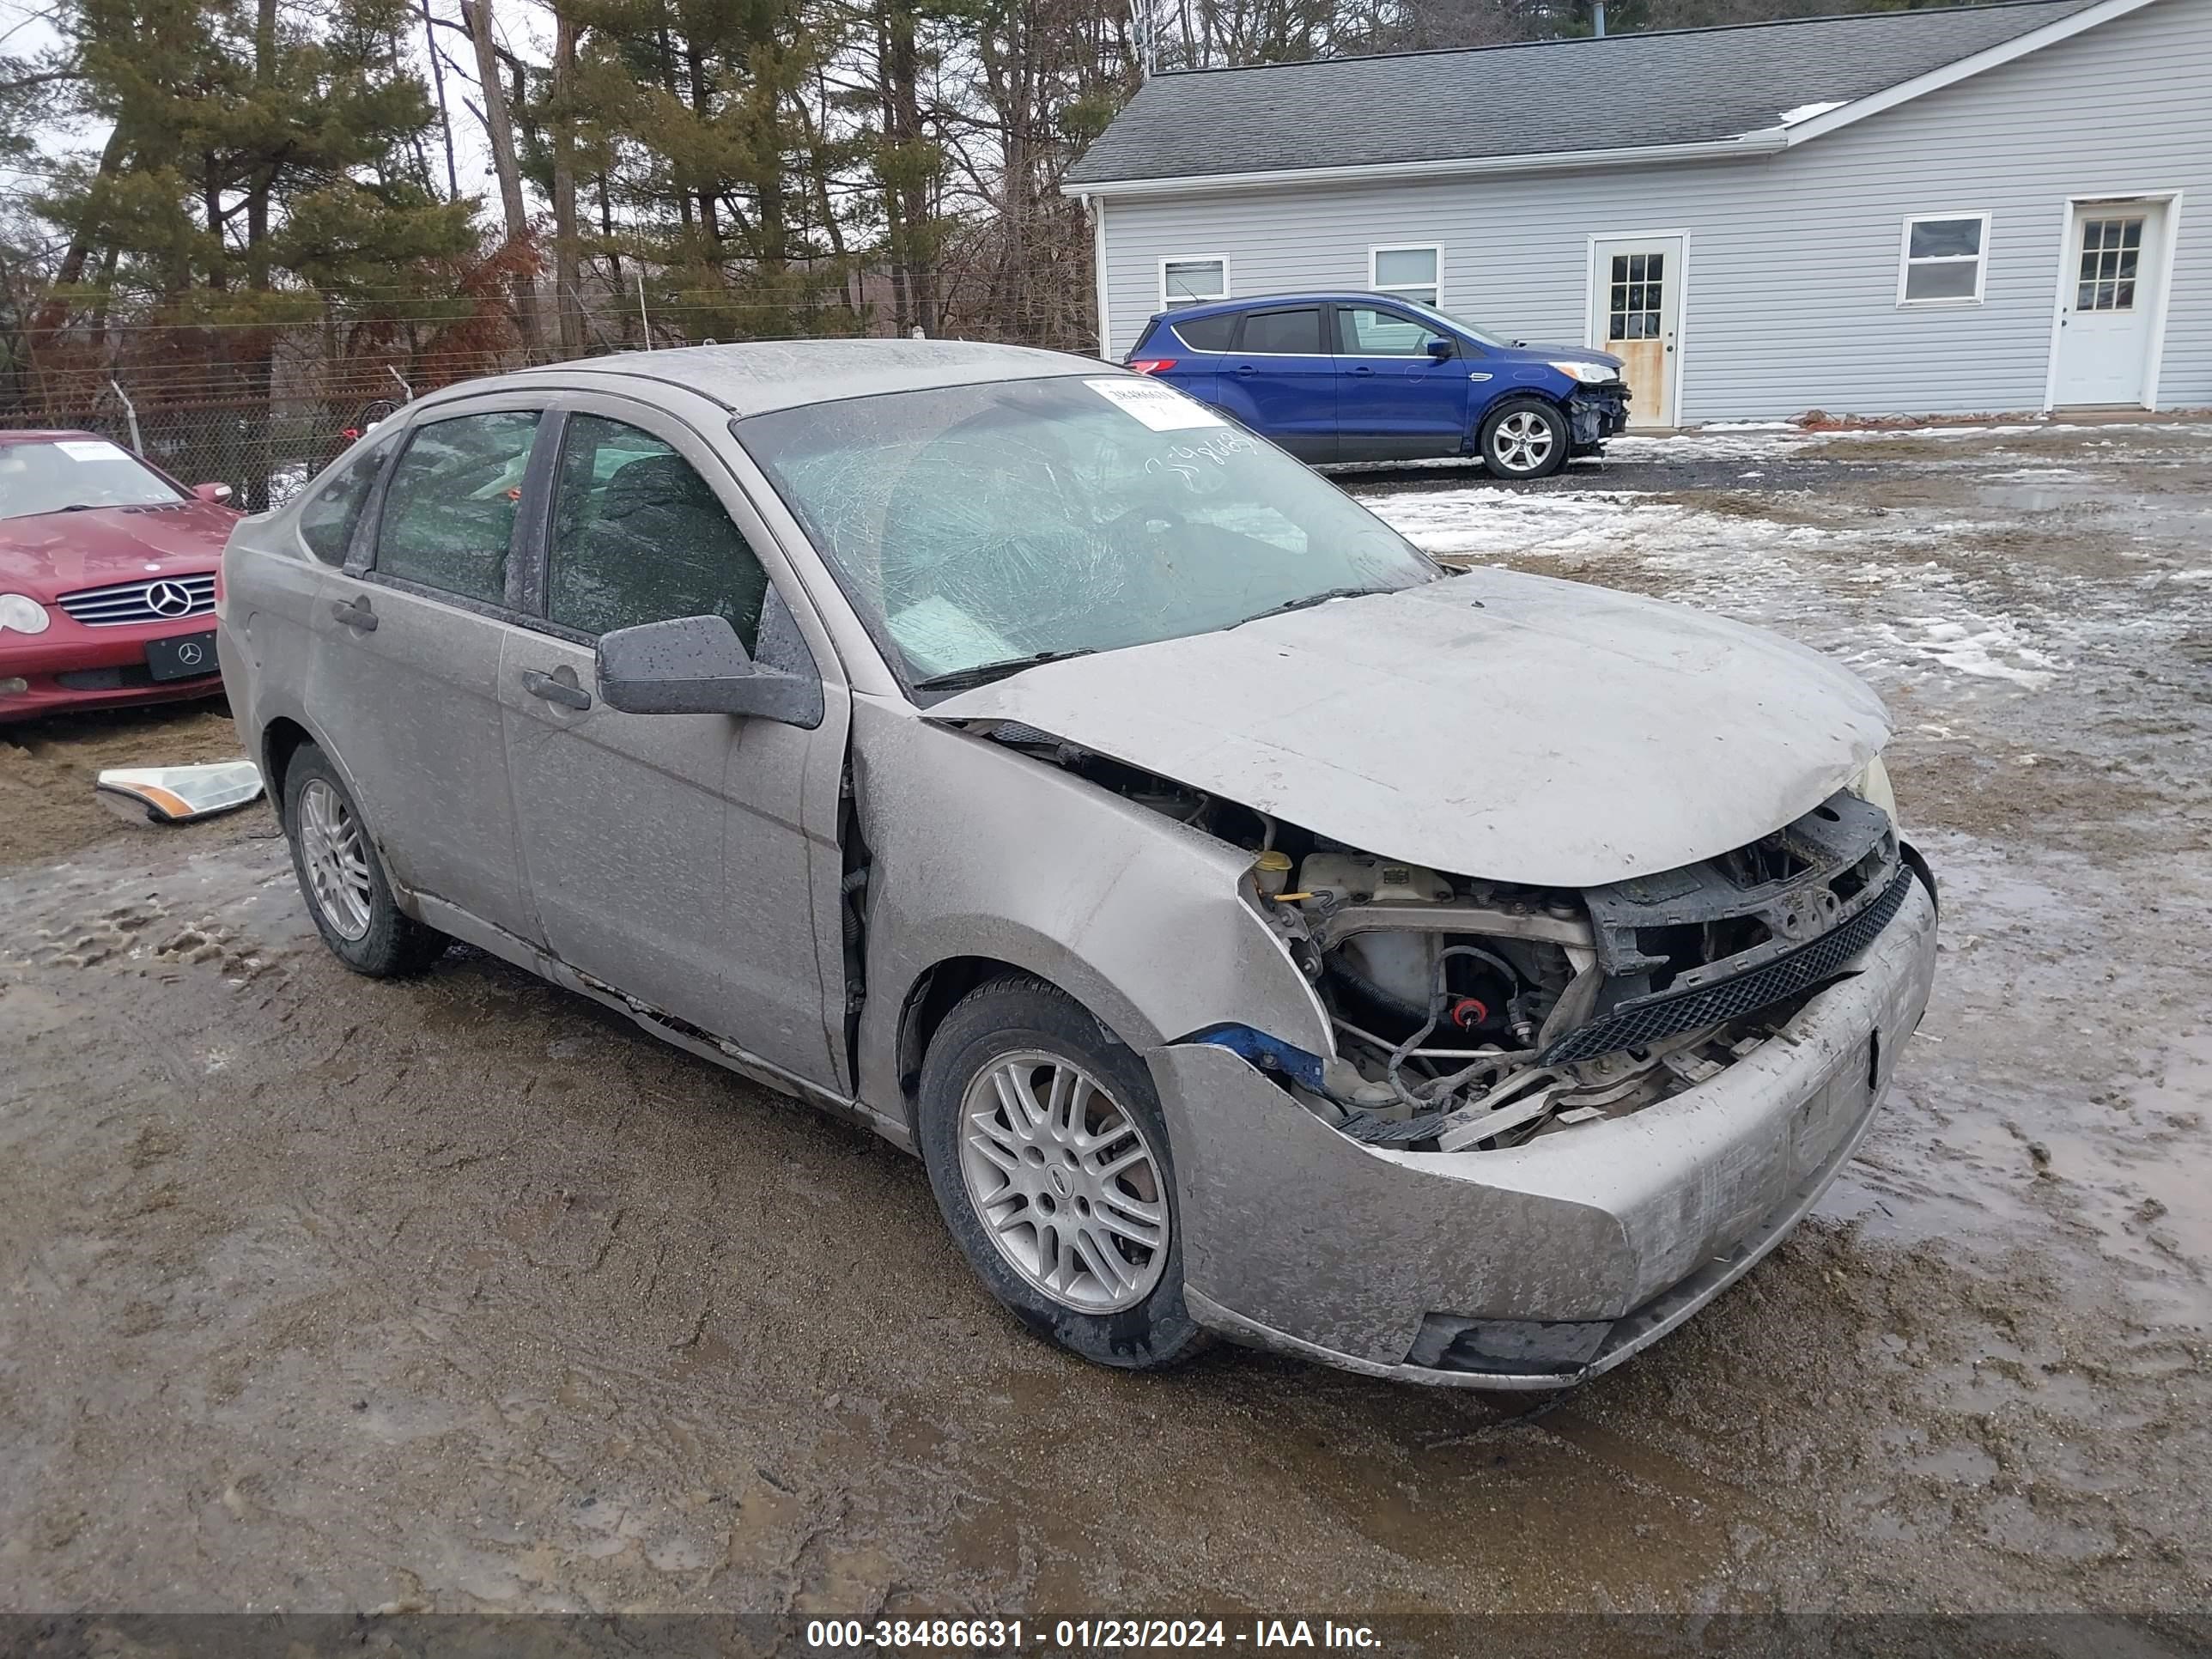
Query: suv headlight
[22,613]
[1589,374]
[1873,785]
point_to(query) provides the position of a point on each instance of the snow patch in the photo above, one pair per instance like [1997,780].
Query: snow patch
[1790,117]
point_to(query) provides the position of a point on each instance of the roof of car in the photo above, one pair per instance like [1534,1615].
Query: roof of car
[52,435]
[757,376]
[1261,301]
[1614,92]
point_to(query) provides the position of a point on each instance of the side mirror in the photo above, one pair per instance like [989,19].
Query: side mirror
[697,666]
[218,493]
[1443,350]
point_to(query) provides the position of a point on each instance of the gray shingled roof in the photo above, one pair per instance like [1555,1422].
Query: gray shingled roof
[1624,91]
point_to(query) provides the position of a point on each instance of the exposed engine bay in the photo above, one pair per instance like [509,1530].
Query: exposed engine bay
[1472,1013]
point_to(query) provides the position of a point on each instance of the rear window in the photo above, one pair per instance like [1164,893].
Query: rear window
[1283,333]
[1207,334]
[449,511]
[328,517]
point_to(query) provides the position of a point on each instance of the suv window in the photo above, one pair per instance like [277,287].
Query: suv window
[638,536]
[449,511]
[1283,333]
[1369,332]
[1207,334]
[328,516]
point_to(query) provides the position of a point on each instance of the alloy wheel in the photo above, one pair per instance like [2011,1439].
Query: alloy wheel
[337,861]
[1523,441]
[1065,1180]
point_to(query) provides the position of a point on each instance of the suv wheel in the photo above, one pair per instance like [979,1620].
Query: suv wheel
[1042,1136]
[1524,438]
[342,879]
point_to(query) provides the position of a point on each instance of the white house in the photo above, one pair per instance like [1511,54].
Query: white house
[1961,210]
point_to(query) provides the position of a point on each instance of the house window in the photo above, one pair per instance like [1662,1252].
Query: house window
[2111,249]
[1189,281]
[1411,273]
[1635,295]
[1943,260]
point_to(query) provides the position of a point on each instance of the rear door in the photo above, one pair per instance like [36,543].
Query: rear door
[405,682]
[1280,380]
[1395,399]
[683,859]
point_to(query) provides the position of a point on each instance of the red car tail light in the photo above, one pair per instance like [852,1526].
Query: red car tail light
[1152,365]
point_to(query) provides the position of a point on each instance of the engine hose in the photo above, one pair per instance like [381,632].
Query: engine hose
[849,889]
[1387,1001]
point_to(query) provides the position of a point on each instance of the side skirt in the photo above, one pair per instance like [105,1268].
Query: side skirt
[459,924]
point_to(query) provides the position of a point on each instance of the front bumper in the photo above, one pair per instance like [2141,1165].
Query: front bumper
[73,666]
[1594,414]
[1298,1238]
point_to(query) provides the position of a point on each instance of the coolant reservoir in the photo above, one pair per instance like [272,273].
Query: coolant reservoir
[1400,963]
[1361,878]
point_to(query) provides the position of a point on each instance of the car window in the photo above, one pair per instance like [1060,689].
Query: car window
[638,536]
[328,516]
[1283,333]
[1371,331]
[449,510]
[1208,333]
[63,474]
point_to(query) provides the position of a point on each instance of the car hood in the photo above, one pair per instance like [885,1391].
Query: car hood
[1539,353]
[1491,724]
[57,553]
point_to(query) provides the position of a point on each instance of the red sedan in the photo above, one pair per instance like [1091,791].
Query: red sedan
[107,571]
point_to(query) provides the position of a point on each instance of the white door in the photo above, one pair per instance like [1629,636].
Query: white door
[1636,309]
[2108,302]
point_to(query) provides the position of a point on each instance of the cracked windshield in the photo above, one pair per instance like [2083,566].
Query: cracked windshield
[978,528]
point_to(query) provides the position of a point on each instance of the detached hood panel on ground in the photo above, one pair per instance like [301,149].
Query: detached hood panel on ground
[1492,725]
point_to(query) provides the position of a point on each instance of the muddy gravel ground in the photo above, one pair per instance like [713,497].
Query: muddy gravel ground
[459,1294]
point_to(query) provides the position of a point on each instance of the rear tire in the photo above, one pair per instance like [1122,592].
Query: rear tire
[1524,438]
[342,877]
[1048,1157]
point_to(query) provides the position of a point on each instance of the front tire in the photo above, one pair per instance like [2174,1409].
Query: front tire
[1050,1160]
[1524,438]
[342,877]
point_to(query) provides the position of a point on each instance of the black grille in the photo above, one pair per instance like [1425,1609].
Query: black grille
[1644,1022]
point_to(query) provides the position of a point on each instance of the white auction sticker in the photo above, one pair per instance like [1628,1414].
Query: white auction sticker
[1159,407]
[94,449]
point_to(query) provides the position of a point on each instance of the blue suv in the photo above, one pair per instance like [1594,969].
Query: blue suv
[1368,377]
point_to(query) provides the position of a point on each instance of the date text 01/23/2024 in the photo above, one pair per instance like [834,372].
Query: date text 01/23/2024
[1080,1635]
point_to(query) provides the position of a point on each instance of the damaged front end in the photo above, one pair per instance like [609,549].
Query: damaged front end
[1472,1013]
[1502,1135]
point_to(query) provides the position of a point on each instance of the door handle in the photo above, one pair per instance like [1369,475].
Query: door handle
[1244,368]
[1362,369]
[566,693]
[356,616]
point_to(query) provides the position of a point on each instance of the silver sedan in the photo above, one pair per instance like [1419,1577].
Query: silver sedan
[1257,930]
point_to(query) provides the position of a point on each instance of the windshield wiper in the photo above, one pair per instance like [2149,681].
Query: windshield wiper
[1305,600]
[983,672]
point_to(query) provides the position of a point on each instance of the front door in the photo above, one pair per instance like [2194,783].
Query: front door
[1635,307]
[405,678]
[1395,399]
[1280,380]
[2108,301]
[679,858]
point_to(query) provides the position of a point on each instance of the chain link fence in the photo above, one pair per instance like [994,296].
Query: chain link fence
[264,409]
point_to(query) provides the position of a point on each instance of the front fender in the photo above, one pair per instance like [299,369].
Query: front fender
[979,850]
